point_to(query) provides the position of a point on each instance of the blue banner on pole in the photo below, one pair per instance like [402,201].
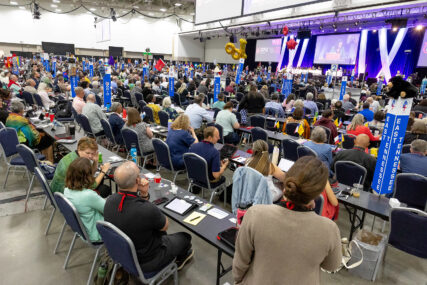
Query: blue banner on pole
[217,87]
[73,84]
[144,74]
[84,65]
[239,70]
[204,68]
[343,87]
[391,145]
[380,86]
[171,86]
[352,79]
[287,85]
[186,71]
[107,90]
[47,65]
[91,70]
[123,66]
[54,68]
[329,79]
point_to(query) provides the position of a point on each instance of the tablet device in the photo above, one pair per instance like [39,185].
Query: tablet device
[229,236]
[180,206]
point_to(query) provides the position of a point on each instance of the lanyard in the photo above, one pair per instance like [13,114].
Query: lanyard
[123,199]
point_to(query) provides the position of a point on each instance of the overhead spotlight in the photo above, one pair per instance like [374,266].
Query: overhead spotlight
[113,14]
[56,1]
[395,29]
[53,5]
[36,12]
[419,27]
[374,31]
[335,30]
[397,23]
[321,27]
[347,29]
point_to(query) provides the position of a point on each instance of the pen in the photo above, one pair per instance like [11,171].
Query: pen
[195,218]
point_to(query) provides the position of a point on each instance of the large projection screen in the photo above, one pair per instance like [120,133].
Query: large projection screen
[258,6]
[268,50]
[336,49]
[422,60]
[214,10]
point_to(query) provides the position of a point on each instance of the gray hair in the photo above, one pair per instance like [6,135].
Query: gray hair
[309,96]
[95,84]
[126,174]
[318,135]
[115,106]
[16,106]
[138,83]
[167,102]
[419,145]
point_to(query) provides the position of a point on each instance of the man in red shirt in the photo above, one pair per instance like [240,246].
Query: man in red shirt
[327,121]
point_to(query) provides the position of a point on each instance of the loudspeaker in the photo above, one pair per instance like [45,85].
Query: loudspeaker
[233,39]
[304,34]
[202,40]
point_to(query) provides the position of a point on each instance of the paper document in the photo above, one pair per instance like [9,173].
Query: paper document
[194,218]
[179,206]
[285,164]
[217,213]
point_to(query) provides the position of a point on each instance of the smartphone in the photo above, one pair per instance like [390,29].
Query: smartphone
[160,201]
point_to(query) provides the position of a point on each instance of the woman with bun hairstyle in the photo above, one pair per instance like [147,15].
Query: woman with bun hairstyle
[288,243]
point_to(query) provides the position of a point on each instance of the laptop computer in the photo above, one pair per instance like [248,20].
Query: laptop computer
[229,236]
[227,151]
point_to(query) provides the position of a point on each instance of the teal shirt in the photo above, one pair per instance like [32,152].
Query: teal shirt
[218,105]
[226,119]
[90,207]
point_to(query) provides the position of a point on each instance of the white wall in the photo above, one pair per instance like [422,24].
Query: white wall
[135,34]
[215,50]
[186,48]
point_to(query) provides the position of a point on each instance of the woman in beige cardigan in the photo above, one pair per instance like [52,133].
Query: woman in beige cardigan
[288,243]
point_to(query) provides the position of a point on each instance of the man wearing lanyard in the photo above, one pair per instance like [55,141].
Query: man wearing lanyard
[144,223]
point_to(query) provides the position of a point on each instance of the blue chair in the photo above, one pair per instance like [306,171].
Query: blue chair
[164,158]
[126,96]
[408,231]
[148,113]
[348,142]
[290,147]
[130,137]
[257,121]
[86,125]
[98,100]
[197,173]
[31,162]
[46,188]
[349,172]
[303,151]
[142,104]
[72,218]
[319,203]
[291,128]
[406,148]
[220,130]
[258,133]
[164,118]
[38,100]
[411,189]
[109,134]
[28,98]
[122,251]
[138,97]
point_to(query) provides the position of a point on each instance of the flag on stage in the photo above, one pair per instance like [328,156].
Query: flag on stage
[159,65]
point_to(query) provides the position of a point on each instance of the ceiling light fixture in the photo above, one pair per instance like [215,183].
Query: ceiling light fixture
[13,3]
[92,9]
[419,27]
[53,5]
[163,9]
[56,1]
[178,4]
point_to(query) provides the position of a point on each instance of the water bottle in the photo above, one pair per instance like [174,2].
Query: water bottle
[102,272]
[133,152]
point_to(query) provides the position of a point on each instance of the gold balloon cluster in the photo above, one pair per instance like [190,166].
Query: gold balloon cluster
[237,53]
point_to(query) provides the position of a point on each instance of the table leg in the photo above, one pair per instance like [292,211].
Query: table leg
[218,267]
[353,222]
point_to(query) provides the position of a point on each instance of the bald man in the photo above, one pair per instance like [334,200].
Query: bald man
[131,211]
[359,156]
[94,114]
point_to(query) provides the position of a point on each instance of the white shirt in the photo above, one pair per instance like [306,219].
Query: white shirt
[196,114]
[47,103]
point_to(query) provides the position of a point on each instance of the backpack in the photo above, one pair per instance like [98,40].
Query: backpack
[63,109]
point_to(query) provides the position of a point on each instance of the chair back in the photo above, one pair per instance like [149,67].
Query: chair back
[197,169]
[328,134]
[162,153]
[45,186]
[86,125]
[319,203]
[75,115]
[239,96]
[320,106]
[142,104]
[290,148]
[2,126]
[71,215]
[406,148]
[120,247]
[149,113]
[238,116]
[164,118]
[349,172]
[290,129]
[126,94]
[98,100]
[304,151]
[220,130]
[307,111]
[38,100]
[28,156]
[257,121]
[28,98]
[259,134]
[138,97]
[130,137]
[271,111]
[216,111]
[411,189]
[348,142]
[9,140]
[108,131]
[408,231]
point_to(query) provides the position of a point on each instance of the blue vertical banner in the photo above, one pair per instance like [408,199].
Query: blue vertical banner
[328,77]
[269,73]
[391,145]
[380,85]
[287,85]
[343,87]
[217,86]
[204,67]
[352,76]
[306,76]
[191,73]
[84,64]
[53,68]
[115,65]
[144,74]
[107,88]
[171,82]
[423,86]
[123,65]
[91,69]
[47,65]
[302,77]
[239,70]
[73,84]
[186,71]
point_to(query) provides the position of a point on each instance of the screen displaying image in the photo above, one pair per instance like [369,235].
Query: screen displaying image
[268,50]
[422,60]
[336,49]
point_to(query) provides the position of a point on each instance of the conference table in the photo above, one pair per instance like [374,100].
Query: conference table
[276,136]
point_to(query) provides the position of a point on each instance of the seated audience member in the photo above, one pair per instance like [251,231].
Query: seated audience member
[297,117]
[180,137]
[357,127]
[322,99]
[347,104]
[228,121]
[230,88]
[378,121]
[43,92]
[136,89]
[88,203]
[87,148]
[309,104]
[95,88]
[275,107]
[143,130]
[78,101]
[317,144]
[30,86]
[288,103]
[261,256]
[416,161]
[27,132]
[144,223]
[328,122]
[85,85]
[202,88]
[167,103]
[374,105]
[13,85]
[94,114]
[264,92]
[418,131]
[422,106]
[207,150]
[197,113]
[182,93]
[260,161]
[220,103]
[6,99]
[368,114]
[339,112]
[411,121]
[253,102]
[359,156]
[116,122]
[156,108]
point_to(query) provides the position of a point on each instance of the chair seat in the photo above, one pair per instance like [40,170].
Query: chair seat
[17,161]
[70,119]
[49,176]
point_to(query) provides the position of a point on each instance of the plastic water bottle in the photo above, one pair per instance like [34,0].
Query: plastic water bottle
[133,153]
